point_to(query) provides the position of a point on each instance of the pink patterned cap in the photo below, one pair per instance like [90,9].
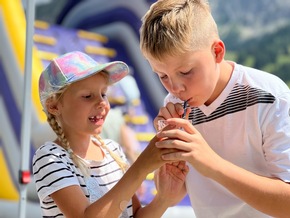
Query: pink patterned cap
[72,67]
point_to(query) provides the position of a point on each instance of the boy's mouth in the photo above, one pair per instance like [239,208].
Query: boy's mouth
[184,107]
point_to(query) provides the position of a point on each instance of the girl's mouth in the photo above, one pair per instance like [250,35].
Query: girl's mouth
[98,120]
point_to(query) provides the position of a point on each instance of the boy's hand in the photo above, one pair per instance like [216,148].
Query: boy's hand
[169,111]
[190,145]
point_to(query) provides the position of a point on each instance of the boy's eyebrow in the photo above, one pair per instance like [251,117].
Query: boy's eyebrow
[157,72]
[154,70]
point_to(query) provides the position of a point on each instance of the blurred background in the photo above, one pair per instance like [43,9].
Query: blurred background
[256,34]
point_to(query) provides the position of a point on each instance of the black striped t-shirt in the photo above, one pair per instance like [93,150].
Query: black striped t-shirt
[53,169]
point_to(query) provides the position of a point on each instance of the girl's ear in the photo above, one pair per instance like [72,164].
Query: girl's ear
[219,50]
[52,106]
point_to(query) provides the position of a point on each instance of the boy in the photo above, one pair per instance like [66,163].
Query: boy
[237,143]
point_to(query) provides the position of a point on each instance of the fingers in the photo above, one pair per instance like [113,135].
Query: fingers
[178,134]
[175,156]
[175,151]
[178,144]
[182,166]
[164,151]
[175,163]
[177,128]
[181,138]
[188,110]
[169,111]
[182,124]
[152,154]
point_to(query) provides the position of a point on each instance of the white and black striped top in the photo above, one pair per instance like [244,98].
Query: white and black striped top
[248,124]
[53,169]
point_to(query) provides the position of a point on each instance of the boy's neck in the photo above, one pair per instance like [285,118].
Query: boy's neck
[226,70]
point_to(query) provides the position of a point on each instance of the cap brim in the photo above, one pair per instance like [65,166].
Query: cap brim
[117,70]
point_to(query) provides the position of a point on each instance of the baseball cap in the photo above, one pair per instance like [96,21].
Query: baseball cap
[72,67]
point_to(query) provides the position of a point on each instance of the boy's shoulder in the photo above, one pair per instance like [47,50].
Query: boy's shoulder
[260,79]
[256,73]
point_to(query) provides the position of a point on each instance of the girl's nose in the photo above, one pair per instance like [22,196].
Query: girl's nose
[101,102]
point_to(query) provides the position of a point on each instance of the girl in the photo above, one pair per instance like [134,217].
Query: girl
[79,174]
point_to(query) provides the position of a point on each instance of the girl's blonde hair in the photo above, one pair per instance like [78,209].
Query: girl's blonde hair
[172,27]
[56,127]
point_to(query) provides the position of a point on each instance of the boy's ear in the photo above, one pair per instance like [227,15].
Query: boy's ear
[219,50]
[52,107]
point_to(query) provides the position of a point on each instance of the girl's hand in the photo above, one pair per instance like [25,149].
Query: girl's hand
[170,181]
[150,158]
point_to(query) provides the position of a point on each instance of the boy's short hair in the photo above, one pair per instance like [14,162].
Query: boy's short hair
[171,27]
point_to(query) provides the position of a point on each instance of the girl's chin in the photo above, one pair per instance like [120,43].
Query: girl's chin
[97,131]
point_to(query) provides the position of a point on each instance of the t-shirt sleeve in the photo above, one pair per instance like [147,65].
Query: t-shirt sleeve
[52,170]
[276,132]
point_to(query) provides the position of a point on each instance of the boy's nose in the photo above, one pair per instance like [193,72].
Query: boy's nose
[177,87]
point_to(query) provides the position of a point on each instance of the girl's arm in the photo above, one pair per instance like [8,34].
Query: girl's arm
[170,184]
[73,203]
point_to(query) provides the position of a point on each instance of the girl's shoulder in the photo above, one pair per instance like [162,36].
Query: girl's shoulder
[111,143]
[49,148]
[115,147]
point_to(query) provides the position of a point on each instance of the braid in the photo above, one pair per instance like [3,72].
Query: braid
[123,165]
[80,163]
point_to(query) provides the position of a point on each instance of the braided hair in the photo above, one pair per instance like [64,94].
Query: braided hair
[78,161]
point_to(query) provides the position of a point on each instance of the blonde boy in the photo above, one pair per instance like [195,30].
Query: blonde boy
[237,143]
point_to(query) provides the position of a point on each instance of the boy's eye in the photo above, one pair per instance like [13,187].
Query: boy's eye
[185,73]
[104,95]
[163,77]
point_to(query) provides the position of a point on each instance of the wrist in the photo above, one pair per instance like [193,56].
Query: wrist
[163,201]
[139,170]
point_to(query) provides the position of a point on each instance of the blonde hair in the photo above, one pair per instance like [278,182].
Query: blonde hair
[79,162]
[172,27]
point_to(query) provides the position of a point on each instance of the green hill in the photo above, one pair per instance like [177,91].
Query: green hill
[269,52]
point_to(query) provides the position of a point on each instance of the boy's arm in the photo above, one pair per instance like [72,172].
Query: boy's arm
[268,195]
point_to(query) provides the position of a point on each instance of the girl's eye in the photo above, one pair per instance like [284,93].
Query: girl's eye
[104,95]
[87,96]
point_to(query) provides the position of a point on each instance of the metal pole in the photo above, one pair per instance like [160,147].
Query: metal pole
[24,173]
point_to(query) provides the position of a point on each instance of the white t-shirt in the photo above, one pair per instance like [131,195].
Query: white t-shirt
[248,125]
[53,170]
